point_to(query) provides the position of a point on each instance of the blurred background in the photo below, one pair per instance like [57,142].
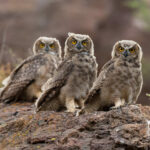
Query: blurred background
[106,21]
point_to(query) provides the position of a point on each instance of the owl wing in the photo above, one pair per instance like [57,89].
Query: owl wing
[95,90]
[56,83]
[22,76]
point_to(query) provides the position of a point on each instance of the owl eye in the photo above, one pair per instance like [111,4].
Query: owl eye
[51,46]
[121,49]
[131,50]
[42,45]
[84,43]
[74,42]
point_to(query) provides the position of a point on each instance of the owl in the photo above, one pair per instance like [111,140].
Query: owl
[120,80]
[73,78]
[36,50]
[25,81]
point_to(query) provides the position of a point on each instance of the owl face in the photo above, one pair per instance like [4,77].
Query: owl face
[77,43]
[47,45]
[127,49]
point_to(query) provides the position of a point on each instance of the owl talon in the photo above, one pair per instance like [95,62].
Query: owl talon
[114,107]
[79,112]
[71,111]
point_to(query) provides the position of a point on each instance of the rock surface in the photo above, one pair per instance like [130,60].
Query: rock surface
[106,21]
[119,129]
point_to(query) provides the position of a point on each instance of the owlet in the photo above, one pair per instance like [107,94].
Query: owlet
[25,81]
[120,80]
[73,78]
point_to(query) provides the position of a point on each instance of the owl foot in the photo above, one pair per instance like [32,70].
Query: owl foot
[79,112]
[71,110]
[114,107]
[118,103]
[36,110]
[134,105]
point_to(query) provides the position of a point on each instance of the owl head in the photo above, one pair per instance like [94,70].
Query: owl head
[127,49]
[47,45]
[78,43]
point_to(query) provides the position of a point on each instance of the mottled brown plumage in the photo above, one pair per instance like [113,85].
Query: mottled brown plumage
[36,50]
[120,80]
[26,80]
[73,78]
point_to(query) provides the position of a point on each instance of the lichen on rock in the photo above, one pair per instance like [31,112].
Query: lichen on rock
[118,129]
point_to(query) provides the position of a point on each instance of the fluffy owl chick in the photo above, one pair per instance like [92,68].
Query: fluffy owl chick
[36,50]
[120,80]
[73,78]
[26,80]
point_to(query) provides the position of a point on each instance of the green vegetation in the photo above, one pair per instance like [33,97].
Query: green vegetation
[148,94]
[142,8]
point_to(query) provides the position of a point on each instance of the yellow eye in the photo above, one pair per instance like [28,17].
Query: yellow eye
[131,50]
[74,42]
[121,49]
[42,45]
[84,43]
[51,46]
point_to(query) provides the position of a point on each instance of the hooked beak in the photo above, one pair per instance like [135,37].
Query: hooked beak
[125,53]
[79,46]
[47,49]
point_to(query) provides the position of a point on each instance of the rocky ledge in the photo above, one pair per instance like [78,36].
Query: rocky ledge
[120,129]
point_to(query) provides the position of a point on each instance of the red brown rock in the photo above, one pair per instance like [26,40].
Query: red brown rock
[119,129]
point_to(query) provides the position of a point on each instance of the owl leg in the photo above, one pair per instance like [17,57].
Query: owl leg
[118,103]
[90,106]
[132,97]
[123,102]
[32,92]
[80,103]
[38,94]
[88,109]
[70,105]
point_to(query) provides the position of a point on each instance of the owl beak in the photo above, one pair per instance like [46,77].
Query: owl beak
[125,53]
[47,49]
[79,46]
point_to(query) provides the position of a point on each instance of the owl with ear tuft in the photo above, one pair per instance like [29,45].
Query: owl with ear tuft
[47,44]
[73,78]
[120,80]
[37,48]
[26,79]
